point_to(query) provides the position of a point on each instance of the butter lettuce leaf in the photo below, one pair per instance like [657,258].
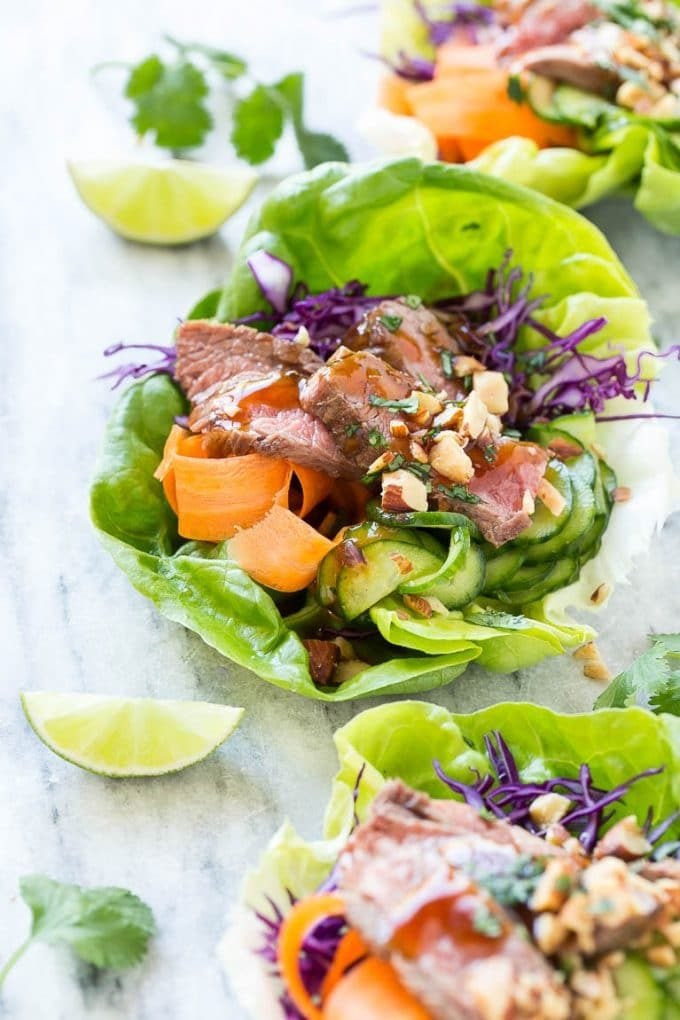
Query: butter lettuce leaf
[401,226]
[401,740]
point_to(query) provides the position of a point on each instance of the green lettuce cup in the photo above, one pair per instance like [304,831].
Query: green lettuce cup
[615,150]
[402,741]
[400,227]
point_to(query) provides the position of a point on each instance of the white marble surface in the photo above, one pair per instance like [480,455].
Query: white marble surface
[69,619]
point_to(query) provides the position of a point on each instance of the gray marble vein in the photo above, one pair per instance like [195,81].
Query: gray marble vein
[70,620]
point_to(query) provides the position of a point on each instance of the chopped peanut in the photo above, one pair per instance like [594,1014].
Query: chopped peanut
[381,462]
[622,494]
[492,389]
[418,605]
[550,497]
[661,956]
[302,337]
[464,364]
[417,452]
[625,840]
[549,808]
[428,406]
[475,414]
[449,416]
[601,594]
[402,491]
[398,429]
[528,504]
[449,458]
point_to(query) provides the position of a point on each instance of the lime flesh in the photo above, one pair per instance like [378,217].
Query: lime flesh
[165,203]
[125,737]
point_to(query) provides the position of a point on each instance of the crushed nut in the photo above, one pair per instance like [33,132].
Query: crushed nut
[381,462]
[661,956]
[398,428]
[553,500]
[417,452]
[402,563]
[554,885]
[302,337]
[475,414]
[493,391]
[428,406]
[528,503]
[564,449]
[449,458]
[625,840]
[419,605]
[594,668]
[622,494]
[402,491]
[600,594]
[464,364]
[451,415]
[549,933]
[549,808]
[671,932]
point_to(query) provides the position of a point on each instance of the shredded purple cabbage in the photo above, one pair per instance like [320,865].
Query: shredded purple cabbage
[318,953]
[455,16]
[165,365]
[416,69]
[575,381]
[505,795]
[326,316]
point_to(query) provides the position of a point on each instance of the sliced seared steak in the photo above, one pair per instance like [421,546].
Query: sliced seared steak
[340,395]
[453,946]
[411,340]
[570,63]
[209,353]
[506,490]
[244,387]
[547,22]
[323,658]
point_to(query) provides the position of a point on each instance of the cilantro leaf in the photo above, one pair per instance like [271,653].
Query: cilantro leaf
[108,927]
[650,681]
[229,65]
[515,89]
[315,147]
[169,101]
[258,124]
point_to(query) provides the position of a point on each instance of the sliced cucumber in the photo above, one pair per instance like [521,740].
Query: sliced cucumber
[587,546]
[580,426]
[540,93]
[579,108]
[544,434]
[640,994]
[580,519]
[463,586]
[609,482]
[501,568]
[527,576]
[544,524]
[373,531]
[387,564]
[458,546]
[327,578]
[561,574]
[420,518]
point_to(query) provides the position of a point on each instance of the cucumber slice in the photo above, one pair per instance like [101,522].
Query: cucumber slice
[543,434]
[544,524]
[465,584]
[561,574]
[587,546]
[540,93]
[458,546]
[373,531]
[359,586]
[501,568]
[580,520]
[579,108]
[609,482]
[580,426]
[327,578]
[641,995]
[527,576]
[420,518]
[585,467]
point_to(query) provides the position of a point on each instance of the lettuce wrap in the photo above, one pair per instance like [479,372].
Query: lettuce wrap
[400,226]
[401,741]
[619,151]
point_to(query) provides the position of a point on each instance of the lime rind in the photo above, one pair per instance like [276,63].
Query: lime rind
[128,737]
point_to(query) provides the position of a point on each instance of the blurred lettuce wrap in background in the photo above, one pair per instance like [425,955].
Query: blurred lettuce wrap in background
[402,741]
[611,149]
[400,227]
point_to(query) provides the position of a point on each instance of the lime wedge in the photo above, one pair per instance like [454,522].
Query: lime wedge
[170,202]
[123,737]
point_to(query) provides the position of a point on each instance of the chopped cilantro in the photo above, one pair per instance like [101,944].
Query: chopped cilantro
[515,886]
[391,322]
[515,89]
[490,453]
[486,923]
[408,404]
[652,681]
[352,429]
[376,438]
[447,363]
[421,471]
[459,492]
[413,301]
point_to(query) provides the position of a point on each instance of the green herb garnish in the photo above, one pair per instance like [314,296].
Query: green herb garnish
[490,453]
[486,923]
[515,886]
[652,681]
[107,927]
[515,89]
[413,301]
[459,492]
[408,404]
[376,438]
[446,359]
[352,429]
[391,322]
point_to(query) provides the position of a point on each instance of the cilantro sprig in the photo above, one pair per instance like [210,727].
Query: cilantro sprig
[108,927]
[170,104]
[652,681]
